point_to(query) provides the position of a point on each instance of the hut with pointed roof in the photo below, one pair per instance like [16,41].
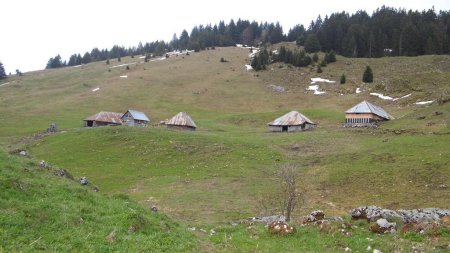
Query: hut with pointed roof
[291,122]
[181,121]
[365,114]
[135,118]
[103,119]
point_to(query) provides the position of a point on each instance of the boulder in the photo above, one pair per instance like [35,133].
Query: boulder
[53,128]
[426,214]
[281,228]
[43,164]
[23,153]
[382,226]
[314,216]
[83,181]
[63,173]
[372,213]
[154,209]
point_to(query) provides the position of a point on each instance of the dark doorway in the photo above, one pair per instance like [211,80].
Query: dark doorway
[284,128]
[90,123]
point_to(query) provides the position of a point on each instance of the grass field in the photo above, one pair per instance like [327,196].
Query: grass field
[220,173]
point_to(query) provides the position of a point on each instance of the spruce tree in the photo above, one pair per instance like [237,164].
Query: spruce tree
[368,75]
[343,79]
[315,57]
[2,71]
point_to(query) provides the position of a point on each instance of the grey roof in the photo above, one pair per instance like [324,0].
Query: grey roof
[109,117]
[366,107]
[293,118]
[181,119]
[138,115]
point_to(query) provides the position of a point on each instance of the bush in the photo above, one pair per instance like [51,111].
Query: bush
[319,69]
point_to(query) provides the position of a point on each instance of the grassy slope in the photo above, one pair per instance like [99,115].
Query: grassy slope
[218,173]
[42,212]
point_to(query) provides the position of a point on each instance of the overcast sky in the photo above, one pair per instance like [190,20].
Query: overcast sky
[32,31]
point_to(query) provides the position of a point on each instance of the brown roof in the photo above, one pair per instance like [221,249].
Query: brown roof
[181,119]
[293,118]
[109,117]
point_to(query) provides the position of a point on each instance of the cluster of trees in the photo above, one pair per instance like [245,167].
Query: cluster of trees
[296,57]
[2,71]
[387,32]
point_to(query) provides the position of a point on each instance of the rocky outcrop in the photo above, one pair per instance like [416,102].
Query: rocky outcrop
[373,213]
[314,216]
[83,181]
[267,219]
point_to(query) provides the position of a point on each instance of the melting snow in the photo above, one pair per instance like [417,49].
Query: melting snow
[142,57]
[4,84]
[424,102]
[358,90]
[123,76]
[121,65]
[96,89]
[249,67]
[315,88]
[77,66]
[405,96]
[253,53]
[321,80]
[381,96]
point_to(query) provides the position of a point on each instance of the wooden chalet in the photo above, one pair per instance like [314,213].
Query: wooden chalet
[365,114]
[181,121]
[103,119]
[135,118]
[291,122]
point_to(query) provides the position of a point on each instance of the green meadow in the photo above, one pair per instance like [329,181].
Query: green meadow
[219,175]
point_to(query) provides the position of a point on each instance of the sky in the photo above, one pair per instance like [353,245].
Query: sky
[33,31]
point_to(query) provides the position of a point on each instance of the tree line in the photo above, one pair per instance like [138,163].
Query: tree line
[387,32]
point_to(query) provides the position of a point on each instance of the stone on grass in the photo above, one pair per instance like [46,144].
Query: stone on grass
[281,228]
[83,181]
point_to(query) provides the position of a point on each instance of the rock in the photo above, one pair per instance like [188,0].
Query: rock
[53,128]
[376,251]
[382,226]
[63,173]
[96,189]
[314,216]
[267,219]
[281,228]
[277,88]
[23,153]
[347,249]
[373,213]
[154,209]
[83,181]
[43,164]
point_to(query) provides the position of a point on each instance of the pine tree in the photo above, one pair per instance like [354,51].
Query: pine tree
[330,57]
[312,43]
[343,79]
[2,71]
[319,69]
[368,75]
[315,57]
[107,61]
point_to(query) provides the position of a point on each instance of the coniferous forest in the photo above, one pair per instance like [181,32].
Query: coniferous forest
[386,32]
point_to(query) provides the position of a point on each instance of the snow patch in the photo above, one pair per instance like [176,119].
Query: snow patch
[96,89]
[123,76]
[77,66]
[358,90]
[381,96]
[320,80]
[142,57]
[4,84]
[249,67]
[122,65]
[424,102]
[316,90]
[405,96]
[253,53]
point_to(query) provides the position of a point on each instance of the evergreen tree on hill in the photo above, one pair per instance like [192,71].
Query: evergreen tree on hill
[368,75]
[312,43]
[2,71]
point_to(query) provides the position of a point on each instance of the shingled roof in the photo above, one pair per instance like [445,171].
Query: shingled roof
[109,117]
[292,118]
[366,107]
[181,119]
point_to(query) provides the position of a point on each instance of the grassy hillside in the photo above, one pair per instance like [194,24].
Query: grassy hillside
[42,212]
[222,172]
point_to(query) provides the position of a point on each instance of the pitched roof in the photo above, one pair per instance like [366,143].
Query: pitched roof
[366,107]
[181,119]
[138,115]
[110,117]
[293,118]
